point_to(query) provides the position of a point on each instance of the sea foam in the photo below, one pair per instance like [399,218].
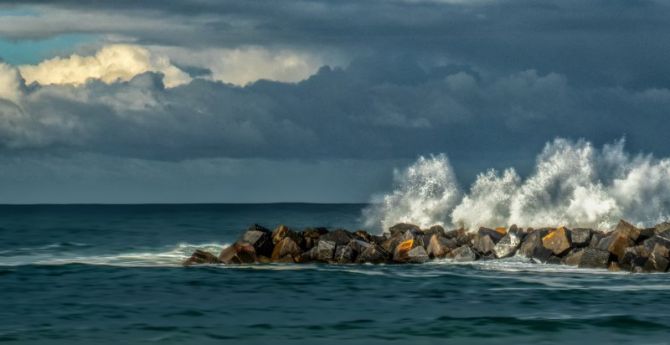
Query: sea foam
[573,184]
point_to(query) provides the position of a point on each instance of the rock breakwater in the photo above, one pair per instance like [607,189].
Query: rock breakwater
[624,248]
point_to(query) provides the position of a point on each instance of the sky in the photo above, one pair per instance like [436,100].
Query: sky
[315,101]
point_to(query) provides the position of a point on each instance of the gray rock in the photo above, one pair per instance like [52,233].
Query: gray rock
[532,246]
[573,258]
[340,237]
[325,250]
[344,254]
[239,253]
[260,238]
[483,244]
[594,258]
[463,253]
[373,254]
[417,255]
[656,263]
[507,245]
[401,228]
[494,235]
[580,237]
[439,246]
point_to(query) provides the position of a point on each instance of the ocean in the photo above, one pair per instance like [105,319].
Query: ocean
[111,274]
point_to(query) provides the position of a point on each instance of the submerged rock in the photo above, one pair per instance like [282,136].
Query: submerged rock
[200,257]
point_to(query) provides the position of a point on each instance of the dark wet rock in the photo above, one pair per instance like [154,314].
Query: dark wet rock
[662,250]
[553,260]
[594,258]
[483,244]
[358,246]
[532,246]
[325,250]
[435,230]
[580,237]
[377,239]
[344,254]
[238,253]
[573,257]
[439,246]
[200,257]
[596,237]
[645,234]
[260,238]
[557,241]
[634,256]
[307,256]
[656,263]
[401,228]
[657,240]
[339,236]
[463,253]
[286,247]
[363,235]
[494,235]
[391,243]
[508,244]
[373,254]
[311,236]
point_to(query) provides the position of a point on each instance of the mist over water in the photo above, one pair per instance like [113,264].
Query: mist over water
[573,183]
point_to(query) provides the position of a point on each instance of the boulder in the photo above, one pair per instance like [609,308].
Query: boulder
[462,254]
[573,258]
[494,235]
[508,244]
[616,243]
[340,237]
[656,263]
[325,250]
[307,256]
[635,256]
[402,249]
[596,237]
[358,246]
[657,240]
[439,246]
[645,234]
[627,229]
[483,244]
[401,228]
[279,233]
[260,238]
[594,258]
[373,254]
[286,247]
[580,237]
[661,250]
[363,235]
[238,253]
[532,246]
[557,241]
[201,257]
[663,227]
[435,230]
[417,255]
[311,236]
[344,255]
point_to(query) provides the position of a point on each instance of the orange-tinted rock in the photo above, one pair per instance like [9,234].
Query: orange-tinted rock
[285,247]
[401,250]
[557,241]
[279,233]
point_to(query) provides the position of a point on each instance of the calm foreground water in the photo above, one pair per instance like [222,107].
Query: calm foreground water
[111,274]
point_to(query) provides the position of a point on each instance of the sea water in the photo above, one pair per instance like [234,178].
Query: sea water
[111,274]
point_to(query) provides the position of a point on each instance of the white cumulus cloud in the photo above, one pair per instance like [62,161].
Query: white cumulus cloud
[112,63]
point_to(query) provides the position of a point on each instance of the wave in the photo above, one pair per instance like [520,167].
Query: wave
[165,257]
[573,184]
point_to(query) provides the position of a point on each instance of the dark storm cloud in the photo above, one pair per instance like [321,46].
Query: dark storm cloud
[591,42]
[394,109]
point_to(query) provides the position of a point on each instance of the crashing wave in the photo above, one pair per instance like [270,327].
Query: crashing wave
[573,184]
